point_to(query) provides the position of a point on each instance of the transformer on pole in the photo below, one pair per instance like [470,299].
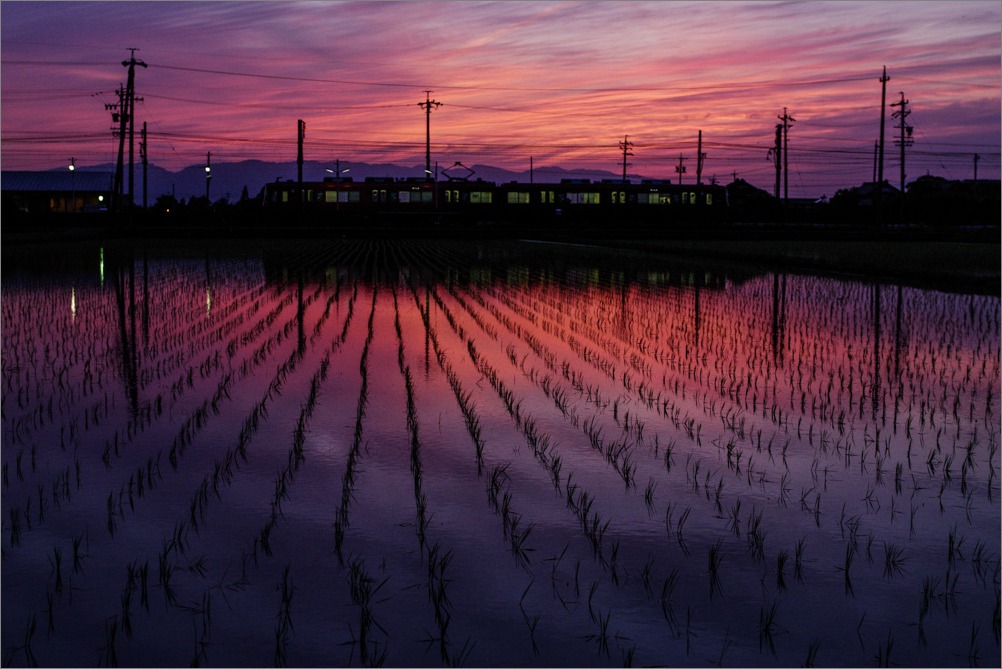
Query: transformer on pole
[906,133]
[626,145]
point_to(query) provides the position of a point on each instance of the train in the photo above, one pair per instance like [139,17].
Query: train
[479,200]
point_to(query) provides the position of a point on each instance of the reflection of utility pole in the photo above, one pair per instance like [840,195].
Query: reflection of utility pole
[696,319]
[626,145]
[427,106]
[680,168]
[875,386]
[778,318]
[700,156]
[300,316]
[906,134]
[786,119]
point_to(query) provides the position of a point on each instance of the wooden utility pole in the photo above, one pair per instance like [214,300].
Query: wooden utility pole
[130,93]
[300,135]
[786,119]
[906,133]
[142,157]
[427,105]
[680,168]
[880,159]
[883,103]
[700,156]
[626,145]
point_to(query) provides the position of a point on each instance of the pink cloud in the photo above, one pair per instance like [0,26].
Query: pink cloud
[559,81]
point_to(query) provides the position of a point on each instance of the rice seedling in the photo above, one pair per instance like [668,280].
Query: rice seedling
[714,558]
[767,627]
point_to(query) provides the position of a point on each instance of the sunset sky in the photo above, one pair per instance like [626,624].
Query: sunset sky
[561,83]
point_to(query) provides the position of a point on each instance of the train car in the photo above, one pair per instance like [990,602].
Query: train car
[649,200]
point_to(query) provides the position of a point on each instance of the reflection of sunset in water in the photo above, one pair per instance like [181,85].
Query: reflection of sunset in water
[444,453]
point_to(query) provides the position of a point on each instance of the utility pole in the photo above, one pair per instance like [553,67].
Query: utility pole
[142,157]
[130,92]
[776,154]
[680,168]
[880,160]
[977,157]
[299,157]
[208,174]
[883,103]
[786,119]
[700,156]
[906,133]
[626,145]
[531,170]
[427,105]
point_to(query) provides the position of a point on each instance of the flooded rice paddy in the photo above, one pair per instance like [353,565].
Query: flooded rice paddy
[414,453]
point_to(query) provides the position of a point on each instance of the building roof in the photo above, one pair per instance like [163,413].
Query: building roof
[56,181]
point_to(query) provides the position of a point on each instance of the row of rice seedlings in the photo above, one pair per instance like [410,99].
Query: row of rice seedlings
[372,651]
[420,500]
[341,521]
[284,628]
[463,397]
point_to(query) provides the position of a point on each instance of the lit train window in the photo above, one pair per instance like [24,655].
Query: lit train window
[330,196]
[518,197]
[481,197]
[583,198]
[709,198]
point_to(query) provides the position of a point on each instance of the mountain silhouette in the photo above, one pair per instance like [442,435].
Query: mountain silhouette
[229,179]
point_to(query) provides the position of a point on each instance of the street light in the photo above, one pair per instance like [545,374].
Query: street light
[337,171]
[208,174]
[73,181]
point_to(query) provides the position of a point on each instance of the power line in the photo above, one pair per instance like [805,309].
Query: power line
[423,86]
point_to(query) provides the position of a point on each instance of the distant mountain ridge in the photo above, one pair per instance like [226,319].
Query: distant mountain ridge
[229,179]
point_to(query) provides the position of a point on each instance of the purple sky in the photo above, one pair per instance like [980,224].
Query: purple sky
[559,82]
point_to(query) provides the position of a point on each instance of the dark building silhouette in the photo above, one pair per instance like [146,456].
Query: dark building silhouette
[59,191]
